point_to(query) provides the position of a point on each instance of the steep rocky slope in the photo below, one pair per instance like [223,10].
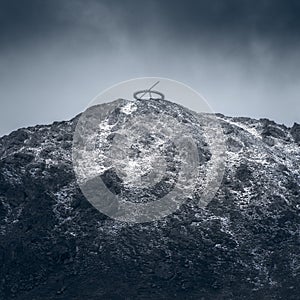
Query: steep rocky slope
[244,245]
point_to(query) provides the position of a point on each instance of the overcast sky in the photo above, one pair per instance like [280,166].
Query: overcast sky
[57,55]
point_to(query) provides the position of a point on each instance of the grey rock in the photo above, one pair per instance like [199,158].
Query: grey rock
[244,245]
[295,132]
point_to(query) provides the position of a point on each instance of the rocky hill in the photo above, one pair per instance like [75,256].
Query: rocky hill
[245,244]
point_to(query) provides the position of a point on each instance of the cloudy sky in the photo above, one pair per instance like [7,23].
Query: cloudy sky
[57,55]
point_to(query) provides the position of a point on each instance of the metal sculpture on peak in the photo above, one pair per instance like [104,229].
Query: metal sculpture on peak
[138,95]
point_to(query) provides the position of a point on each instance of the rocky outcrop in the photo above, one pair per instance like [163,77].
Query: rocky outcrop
[244,245]
[295,132]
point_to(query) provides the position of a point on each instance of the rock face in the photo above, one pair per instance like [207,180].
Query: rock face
[295,132]
[244,245]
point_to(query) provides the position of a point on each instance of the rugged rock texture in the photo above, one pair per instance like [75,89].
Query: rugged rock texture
[244,245]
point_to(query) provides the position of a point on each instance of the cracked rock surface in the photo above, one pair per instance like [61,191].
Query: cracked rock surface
[245,244]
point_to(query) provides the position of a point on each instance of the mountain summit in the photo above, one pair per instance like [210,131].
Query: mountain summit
[243,244]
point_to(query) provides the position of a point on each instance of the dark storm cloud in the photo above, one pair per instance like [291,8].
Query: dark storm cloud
[272,18]
[20,20]
[276,21]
